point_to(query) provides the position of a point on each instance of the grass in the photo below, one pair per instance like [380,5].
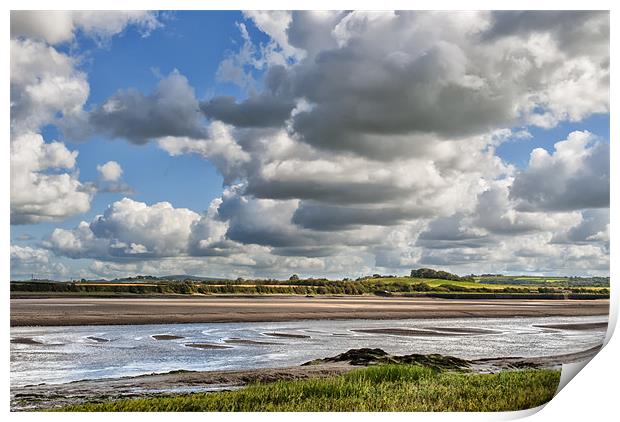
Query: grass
[435,282]
[375,388]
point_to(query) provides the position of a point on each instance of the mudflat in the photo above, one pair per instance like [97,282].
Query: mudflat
[120,311]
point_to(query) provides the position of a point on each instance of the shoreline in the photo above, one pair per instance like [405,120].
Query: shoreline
[84,311]
[46,396]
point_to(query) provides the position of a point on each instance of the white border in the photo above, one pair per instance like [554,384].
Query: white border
[591,394]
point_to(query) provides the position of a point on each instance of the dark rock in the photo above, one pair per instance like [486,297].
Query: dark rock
[366,356]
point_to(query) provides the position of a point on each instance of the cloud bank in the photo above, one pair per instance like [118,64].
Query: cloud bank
[368,143]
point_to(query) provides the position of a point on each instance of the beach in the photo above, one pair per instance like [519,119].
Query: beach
[166,346]
[66,311]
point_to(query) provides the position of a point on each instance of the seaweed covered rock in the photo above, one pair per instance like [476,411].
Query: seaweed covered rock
[434,361]
[367,356]
[363,356]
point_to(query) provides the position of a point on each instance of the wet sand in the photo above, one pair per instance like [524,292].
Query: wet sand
[456,330]
[98,339]
[165,337]
[405,332]
[428,332]
[574,327]
[107,311]
[207,346]
[244,341]
[26,340]
[286,335]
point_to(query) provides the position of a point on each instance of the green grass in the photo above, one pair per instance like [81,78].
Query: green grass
[376,388]
[435,282]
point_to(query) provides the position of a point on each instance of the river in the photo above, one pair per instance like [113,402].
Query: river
[63,354]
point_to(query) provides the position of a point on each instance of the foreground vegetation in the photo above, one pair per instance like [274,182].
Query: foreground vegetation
[375,388]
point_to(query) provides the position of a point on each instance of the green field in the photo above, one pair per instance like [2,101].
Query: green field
[435,282]
[497,284]
[375,388]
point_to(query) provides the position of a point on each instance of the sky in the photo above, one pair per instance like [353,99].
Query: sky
[337,144]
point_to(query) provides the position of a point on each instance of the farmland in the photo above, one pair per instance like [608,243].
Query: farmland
[488,286]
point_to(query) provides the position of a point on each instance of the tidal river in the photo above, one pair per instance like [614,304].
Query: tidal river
[63,354]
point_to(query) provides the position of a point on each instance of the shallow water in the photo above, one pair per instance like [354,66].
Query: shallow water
[81,352]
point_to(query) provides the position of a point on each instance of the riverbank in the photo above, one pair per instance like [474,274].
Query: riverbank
[173,384]
[381,388]
[129,311]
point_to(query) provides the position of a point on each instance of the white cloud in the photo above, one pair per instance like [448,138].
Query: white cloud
[38,194]
[128,228]
[47,88]
[110,171]
[372,144]
[27,262]
[44,83]
[594,227]
[275,24]
[219,147]
[57,26]
[496,213]
[383,77]
[574,176]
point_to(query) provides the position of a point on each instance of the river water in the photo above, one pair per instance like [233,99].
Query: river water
[64,354]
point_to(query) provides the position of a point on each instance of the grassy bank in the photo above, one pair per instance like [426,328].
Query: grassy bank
[376,388]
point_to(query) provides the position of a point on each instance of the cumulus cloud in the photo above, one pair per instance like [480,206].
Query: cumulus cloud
[272,223]
[110,175]
[239,67]
[496,213]
[263,111]
[47,87]
[452,232]
[28,262]
[275,23]
[339,191]
[44,177]
[578,30]
[369,142]
[594,227]
[170,110]
[367,92]
[218,146]
[44,83]
[110,171]
[58,26]
[128,229]
[261,221]
[44,182]
[574,176]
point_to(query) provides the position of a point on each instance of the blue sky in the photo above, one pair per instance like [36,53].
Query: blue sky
[195,45]
[185,181]
[193,42]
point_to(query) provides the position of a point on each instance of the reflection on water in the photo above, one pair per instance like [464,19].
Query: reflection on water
[63,354]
